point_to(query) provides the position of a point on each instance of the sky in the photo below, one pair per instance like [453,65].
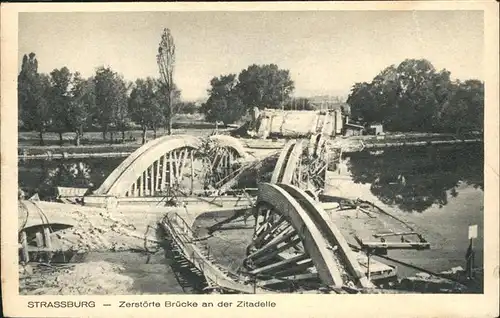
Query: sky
[325,51]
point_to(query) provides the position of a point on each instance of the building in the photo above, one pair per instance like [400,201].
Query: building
[352,129]
[376,129]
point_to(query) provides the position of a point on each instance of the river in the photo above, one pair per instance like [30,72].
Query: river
[438,190]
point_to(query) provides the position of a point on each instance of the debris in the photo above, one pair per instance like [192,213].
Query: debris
[93,278]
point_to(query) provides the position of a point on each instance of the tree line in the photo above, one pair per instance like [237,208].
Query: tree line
[65,101]
[261,86]
[414,96]
[231,96]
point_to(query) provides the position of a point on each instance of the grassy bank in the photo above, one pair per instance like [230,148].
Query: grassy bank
[93,142]
[182,124]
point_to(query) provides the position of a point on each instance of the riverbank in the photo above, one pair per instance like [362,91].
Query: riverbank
[102,273]
[258,148]
[28,144]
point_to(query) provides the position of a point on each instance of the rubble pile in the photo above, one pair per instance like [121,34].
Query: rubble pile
[92,278]
[103,232]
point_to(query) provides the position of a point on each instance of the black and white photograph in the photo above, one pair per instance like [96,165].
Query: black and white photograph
[251,152]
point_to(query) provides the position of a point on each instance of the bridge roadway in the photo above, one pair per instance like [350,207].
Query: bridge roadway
[184,240]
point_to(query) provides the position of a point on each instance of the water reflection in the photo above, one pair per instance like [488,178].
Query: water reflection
[416,178]
[411,178]
[43,176]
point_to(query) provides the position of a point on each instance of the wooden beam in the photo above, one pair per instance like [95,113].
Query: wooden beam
[263,224]
[157,182]
[170,169]
[271,230]
[230,161]
[139,185]
[279,265]
[134,189]
[223,162]
[275,252]
[272,244]
[151,180]
[174,165]
[233,176]
[218,225]
[395,245]
[184,156]
[394,234]
[300,268]
[164,172]
[216,160]
[287,279]
[283,230]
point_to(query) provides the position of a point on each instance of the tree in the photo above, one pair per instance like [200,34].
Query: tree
[187,108]
[362,102]
[475,98]
[264,86]
[416,103]
[60,100]
[82,103]
[413,97]
[120,119]
[144,105]
[162,96]
[110,100]
[464,109]
[224,103]
[33,89]
[166,63]
[157,117]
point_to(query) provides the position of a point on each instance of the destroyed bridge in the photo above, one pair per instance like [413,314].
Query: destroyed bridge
[303,239]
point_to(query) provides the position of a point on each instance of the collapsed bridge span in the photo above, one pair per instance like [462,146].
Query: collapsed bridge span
[294,248]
